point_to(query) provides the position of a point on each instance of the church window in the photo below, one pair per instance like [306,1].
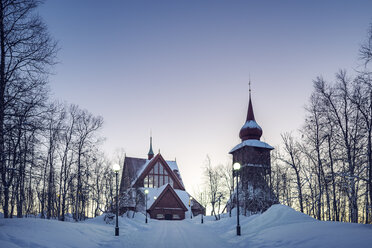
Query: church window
[146,181]
[156,181]
[171,181]
[157,177]
[160,216]
[151,181]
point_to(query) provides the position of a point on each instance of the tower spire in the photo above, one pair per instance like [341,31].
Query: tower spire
[250,114]
[250,130]
[150,155]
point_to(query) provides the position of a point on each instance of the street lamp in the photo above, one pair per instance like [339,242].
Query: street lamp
[201,198]
[190,207]
[116,169]
[236,169]
[146,193]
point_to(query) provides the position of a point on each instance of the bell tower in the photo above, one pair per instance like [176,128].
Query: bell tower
[254,158]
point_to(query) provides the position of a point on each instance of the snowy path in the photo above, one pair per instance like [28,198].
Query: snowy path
[170,234]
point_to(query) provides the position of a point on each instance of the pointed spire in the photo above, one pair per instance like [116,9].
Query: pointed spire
[150,155]
[250,114]
[250,130]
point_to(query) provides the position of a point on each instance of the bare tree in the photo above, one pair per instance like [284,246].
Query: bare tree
[294,161]
[87,125]
[215,189]
[27,50]
[365,51]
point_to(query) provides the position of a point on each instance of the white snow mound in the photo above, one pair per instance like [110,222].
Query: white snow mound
[278,215]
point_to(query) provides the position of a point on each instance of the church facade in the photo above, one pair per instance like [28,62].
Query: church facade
[255,193]
[155,185]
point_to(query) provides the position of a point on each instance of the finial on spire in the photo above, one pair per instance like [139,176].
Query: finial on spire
[150,155]
[249,86]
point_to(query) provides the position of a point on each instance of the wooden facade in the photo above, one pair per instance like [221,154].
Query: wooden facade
[162,180]
[254,158]
[158,173]
[168,206]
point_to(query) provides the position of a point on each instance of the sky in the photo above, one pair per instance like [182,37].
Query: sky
[180,69]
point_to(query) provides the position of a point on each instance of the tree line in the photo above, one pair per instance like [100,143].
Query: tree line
[51,162]
[326,169]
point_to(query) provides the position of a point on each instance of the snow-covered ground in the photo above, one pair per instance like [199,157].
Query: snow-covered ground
[280,226]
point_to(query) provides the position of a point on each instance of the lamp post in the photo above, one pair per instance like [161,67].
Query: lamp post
[236,170]
[202,221]
[190,207]
[116,169]
[231,191]
[146,193]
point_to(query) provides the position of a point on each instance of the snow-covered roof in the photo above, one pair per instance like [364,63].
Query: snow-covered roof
[139,165]
[155,192]
[251,124]
[172,164]
[252,142]
[141,169]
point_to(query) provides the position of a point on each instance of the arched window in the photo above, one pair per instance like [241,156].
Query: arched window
[157,177]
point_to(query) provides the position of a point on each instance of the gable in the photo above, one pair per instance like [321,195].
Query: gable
[157,172]
[168,199]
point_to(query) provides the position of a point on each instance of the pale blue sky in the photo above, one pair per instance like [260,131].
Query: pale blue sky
[181,68]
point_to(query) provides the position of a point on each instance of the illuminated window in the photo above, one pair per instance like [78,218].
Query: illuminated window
[171,181]
[146,181]
[157,177]
[160,216]
[151,181]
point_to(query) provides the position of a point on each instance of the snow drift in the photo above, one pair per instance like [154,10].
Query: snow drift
[279,226]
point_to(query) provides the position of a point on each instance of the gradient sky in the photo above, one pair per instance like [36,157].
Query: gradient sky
[181,68]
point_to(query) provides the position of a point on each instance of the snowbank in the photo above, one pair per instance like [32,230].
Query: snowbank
[279,226]
[282,226]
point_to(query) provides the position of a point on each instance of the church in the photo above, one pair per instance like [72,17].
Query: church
[155,185]
[255,192]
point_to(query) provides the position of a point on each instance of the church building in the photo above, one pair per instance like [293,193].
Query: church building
[155,185]
[255,193]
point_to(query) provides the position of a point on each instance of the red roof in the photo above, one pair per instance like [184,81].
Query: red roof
[250,130]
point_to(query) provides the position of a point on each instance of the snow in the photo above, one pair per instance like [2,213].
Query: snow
[251,124]
[252,142]
[173,165]
[140,171]
[279,226]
